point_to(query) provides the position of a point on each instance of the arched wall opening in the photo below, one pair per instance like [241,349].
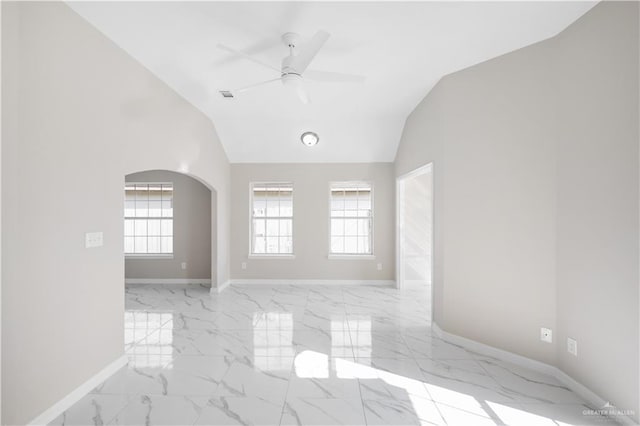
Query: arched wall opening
[171,240]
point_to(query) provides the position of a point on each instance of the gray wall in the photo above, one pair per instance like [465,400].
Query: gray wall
[191,230]
[536,189]
[78,106]
[597,200]
[311,222]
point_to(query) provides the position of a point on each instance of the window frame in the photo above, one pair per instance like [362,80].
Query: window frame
[253,255]
[351,256]
[152,256]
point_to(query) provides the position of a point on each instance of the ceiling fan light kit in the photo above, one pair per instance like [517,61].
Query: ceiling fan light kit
[310,138]
[293,70]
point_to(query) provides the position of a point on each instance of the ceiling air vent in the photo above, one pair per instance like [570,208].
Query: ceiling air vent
[226,94]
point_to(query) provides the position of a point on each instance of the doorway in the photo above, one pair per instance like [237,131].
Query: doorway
[415,231]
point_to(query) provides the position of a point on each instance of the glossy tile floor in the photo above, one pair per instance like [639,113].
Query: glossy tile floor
[300,355]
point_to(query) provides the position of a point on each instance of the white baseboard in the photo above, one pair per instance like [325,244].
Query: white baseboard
[311,282]
[78,393]
[221,287]
[522,361]
[170,281]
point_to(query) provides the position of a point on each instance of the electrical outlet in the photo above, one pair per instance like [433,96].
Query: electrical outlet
[546,335]
[379,266]
[572,346]
[244,265]
[184,265]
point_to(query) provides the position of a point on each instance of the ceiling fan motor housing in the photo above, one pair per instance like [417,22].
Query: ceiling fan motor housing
[287,68]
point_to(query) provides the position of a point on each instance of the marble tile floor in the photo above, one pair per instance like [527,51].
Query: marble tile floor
[309,355]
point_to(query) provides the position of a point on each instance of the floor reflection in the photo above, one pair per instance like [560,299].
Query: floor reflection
[273,340]
[149,337]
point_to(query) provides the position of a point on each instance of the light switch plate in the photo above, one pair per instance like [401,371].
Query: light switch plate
[572,346]
[93,239]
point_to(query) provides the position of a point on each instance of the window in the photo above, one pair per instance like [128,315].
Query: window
[351,218]
[148,219]
[272,218]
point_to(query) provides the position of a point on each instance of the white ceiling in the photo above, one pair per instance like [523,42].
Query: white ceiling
[403,49]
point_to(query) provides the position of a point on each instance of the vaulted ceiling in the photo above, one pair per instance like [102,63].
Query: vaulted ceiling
[402,48]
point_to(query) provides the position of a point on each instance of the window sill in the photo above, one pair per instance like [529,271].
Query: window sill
[351,257]
[272,256]
[147,256]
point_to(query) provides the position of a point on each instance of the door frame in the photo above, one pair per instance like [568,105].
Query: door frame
[400,181]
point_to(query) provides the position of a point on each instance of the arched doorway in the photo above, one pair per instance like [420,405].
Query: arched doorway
[170,222]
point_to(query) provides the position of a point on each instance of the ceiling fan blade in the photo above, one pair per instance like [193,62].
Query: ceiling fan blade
[303,94]
[248,57]
[337,77]
[310,49]
[253,86]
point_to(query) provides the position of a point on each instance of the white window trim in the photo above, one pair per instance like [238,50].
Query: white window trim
[148,256]
[343,256]
[352,256]
[153,256]
[253,255]
[283,256]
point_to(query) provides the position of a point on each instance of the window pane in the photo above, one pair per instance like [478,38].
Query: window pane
[259,245]
[142,208]
[286,227]
[337,244]
[140,244]
[286,207]
[337,200]
[140,228]
[351,227]
[155,208]
[153,245]
[128,227]
[153,227]
[259,227]
[364,227]
[155,192]
[337,226]
[364,203]
[350,201]
[272,244]
[129,208]
[166,227]
[259,207]
[350,244]
[128,244]
[142,191]
[273,209]
[167,191]
[286,245]
[363,245]
[272,227]
[166,245]
[167,208]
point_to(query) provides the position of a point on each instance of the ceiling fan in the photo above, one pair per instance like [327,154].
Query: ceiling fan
[293,70]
